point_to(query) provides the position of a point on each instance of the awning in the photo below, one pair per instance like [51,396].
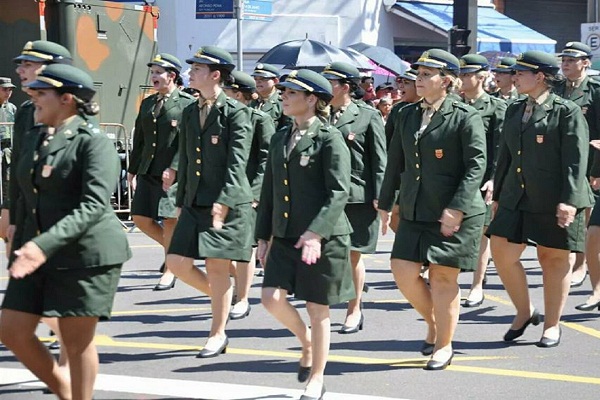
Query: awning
[495,31]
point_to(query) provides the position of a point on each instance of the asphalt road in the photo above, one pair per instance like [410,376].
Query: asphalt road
[147,350]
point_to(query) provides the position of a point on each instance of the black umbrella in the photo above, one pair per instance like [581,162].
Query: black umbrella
[381,56]
[362,62]
[305,53]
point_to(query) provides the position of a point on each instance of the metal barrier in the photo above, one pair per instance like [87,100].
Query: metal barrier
[121,199]
[6,128]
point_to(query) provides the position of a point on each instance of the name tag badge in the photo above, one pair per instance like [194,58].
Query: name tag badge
[439,153]
[539,139]
[174,123]
[351,136]
[47,171]
[304,159]
[214,139]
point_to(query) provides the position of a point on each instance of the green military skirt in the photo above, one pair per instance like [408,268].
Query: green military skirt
[422,242]
[530,228]
[195,237]
[365,225]
[150,200]
[327,282]
[80,292]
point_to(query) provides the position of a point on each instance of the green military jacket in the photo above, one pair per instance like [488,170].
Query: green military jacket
[390,124]
[65,182]
[543,162]
[309,190]
[24,121]
[442,169]
[513,95]
[274,108]
[492,111]
[264,128]
[362,128]
[156,138]
[213,159]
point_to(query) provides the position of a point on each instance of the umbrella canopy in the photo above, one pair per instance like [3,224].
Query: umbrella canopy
[305,53]
[362,62]
[381,56]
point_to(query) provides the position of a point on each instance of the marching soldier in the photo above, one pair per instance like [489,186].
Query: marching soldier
[363,132]
[154,153]
[266,77]
[242,87]
[213,191]
[503,75]
[473,74]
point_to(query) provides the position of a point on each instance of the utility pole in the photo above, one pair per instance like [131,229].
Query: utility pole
[462,37]
[239,12]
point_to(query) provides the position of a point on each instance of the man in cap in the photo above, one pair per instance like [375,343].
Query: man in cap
[154,156]
[474,71]
[266,77]
[7,116]
[242,87]
[213,192]
[585,92]
[503,75]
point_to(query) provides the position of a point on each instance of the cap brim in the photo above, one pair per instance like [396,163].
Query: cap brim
[469,70]
[264,75]
[40,85]
[290,85]
[29,58]
[508,70]
[574,55]
[229,67]
[425,64]
[162,65]
[8,85]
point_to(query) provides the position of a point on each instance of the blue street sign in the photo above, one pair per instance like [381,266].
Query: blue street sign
[258,10]
[214,9]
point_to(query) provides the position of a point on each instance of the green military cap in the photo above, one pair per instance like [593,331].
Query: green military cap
[577,50]
[504,66]
[241,81]
[341,70]
[473,63]
[46,52]
[266,71]
[536,61]
[410,74]
[437,58]
[213,55]
[6,83]
[166,61]
[65,78]
[307,81]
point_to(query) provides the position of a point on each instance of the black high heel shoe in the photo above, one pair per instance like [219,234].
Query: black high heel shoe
[547,342]
[207,353]
[303,373]
[345,329]
[433,365]
[588,307]
[159,286]
[427,348]
[323,391]
[470,303]
[512,334]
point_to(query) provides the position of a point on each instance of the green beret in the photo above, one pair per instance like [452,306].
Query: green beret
[341,70]
[576,49]
[240,80]
[43,51]
[473,63]
[265,71]
[536,61]
[166,61]
[65,78]
[307,81]
[213,55]
[437,58]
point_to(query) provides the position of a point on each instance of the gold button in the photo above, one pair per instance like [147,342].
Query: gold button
[155,132]
[197,173]
[518,169]
[286,198]
[519,152]
[154,120]
[285,214]
[34,190]
[33,211]
[285,165]
[153,144]
[418,177]
[151,155]
[416,154]
[417,165]
[31,171]
[522,186]
[198,161]
[198,149]
[285,182]
[45,143]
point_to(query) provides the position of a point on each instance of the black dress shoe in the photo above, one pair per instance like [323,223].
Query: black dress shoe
[159,286]
[54,345]
[207,353]
[239,314]
[433,365]
[547,342]
[512,334]
[470,303]
[427,348]
[323,390]
[579,283]
[365,288]
[588,307]
[303,373]
[345,329]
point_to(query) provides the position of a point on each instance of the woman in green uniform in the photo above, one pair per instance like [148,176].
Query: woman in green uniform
[301,221]
[503,75]
[213,190]
[541,193]
[154,156]
[242,87]
[437,159]
[473,74]
[69,243]
[363,132]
